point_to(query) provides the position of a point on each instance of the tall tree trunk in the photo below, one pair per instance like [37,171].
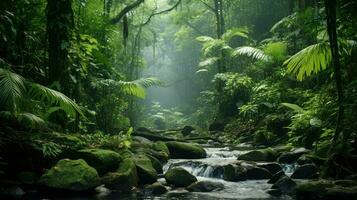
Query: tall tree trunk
[59,26]
[330,6]
[218,11]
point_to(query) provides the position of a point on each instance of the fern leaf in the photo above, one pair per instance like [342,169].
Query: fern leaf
[51,96]
[312,59]
[204,39]
[235,32]
[251,52]
[12,87]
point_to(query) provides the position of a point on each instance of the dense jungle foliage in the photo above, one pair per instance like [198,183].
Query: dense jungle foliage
[97,74]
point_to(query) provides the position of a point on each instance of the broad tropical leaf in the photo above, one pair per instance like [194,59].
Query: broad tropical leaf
[235,32]
[312,59]
[51,96]
[293,107]
[12,88]
[251,52]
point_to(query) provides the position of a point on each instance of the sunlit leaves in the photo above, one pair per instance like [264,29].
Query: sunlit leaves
[312,59]
[252,52]
[293,107]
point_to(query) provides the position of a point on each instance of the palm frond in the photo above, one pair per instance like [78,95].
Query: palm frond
[251,52]
[12,87]
[312,59]
[293,107]
[208,61]
[51,96]
[31,120]
[134,88]
[235,32]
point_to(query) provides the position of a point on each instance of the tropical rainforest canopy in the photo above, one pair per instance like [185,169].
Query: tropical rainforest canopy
[113,93]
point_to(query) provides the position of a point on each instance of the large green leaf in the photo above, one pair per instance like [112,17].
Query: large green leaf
[251,52]
[12,88]
[312,59]
[51,96]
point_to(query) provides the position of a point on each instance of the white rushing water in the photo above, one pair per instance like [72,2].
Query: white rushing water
[210,169]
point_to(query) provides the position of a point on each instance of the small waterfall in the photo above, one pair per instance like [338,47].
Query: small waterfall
[289,168]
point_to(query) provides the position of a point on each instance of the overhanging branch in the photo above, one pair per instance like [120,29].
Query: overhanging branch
[162,12]
[126,10]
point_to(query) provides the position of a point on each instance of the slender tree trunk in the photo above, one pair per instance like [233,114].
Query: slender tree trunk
[330,6]
[218,11]
[59,26]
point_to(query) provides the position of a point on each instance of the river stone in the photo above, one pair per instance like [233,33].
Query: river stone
[156,188]
[285,185]
[257,173]
[273,168]
[100,159]
[234,173]
[124,178]
[181,150]
[205,186]
[292,156]
[307,171]
[263,155]
[146,172]
[179,177]
[276,177]
[74,175]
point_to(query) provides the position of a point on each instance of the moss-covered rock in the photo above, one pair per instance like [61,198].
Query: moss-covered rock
[74,175]
[266,155]
[325,190]
[124,178]
[156,164]
[146,172]
[285,185]
[179,177]
[181,150]
[161,146]
[101,159]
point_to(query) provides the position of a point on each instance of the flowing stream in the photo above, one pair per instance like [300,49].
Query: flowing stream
[209,169]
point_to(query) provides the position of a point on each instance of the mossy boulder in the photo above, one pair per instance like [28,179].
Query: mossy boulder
[325,190]
[263,155]
[285,185]
[179,177]
[124,178]
[181,150]
[146,172]
[100,159]
[156,164]
[74,175]
[161,146]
